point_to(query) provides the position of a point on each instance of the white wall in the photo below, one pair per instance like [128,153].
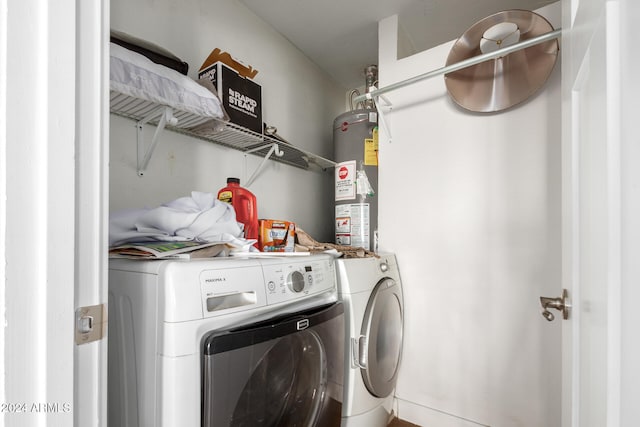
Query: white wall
[298,99]
[471,205]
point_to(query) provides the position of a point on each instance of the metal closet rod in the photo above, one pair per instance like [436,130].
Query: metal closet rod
[462,64]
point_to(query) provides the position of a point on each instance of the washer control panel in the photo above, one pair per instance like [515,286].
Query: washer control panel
[286,281]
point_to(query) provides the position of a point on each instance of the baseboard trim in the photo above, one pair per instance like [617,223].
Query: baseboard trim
[424,416]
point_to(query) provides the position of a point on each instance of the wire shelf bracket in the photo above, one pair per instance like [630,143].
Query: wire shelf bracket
[166,117]
[382,102]
[275,149]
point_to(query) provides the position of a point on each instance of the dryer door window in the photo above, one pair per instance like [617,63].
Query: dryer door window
[382,332]
[286,385]
[273,374]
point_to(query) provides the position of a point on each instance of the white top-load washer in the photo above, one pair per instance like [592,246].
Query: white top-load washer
[371,291]
[225,342]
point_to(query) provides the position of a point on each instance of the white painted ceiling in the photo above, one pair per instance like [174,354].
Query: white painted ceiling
[341,36]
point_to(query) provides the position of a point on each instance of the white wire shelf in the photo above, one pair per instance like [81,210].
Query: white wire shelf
[230,135]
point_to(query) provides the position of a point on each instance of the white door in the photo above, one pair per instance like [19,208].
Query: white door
[53,209]
[598,214]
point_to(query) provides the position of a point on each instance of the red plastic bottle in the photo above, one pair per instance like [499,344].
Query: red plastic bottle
[244,203]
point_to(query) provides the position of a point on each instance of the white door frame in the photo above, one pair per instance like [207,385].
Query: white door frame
[601,382]
[92,204]
[630,235]
[53,208]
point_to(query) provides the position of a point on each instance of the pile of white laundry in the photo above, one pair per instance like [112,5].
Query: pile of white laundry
[200,218]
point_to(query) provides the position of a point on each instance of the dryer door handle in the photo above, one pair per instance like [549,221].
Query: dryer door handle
[359,351]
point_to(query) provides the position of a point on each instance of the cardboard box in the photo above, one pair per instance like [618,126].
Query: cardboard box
[241,97]
[276,236]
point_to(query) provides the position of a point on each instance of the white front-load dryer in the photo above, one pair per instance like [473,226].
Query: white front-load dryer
[225,342]
[371,291]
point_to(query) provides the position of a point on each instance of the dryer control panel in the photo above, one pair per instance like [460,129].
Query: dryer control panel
[298,278]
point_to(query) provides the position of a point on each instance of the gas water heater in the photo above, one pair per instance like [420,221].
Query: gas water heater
[355,142]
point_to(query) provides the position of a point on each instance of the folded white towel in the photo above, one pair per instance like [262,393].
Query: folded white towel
[200,217]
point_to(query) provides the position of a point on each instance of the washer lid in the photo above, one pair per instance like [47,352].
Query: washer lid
[382,327]
[503,82]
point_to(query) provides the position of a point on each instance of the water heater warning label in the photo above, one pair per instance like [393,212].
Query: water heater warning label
[345,180]
[371,149]
[352,225]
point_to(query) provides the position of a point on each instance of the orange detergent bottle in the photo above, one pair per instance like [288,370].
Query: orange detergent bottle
[244,203]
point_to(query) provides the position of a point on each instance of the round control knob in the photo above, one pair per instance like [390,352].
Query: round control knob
[295,281]
[384,266]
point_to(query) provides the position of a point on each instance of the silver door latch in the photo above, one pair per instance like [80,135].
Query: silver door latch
[90,324]
[561,304]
